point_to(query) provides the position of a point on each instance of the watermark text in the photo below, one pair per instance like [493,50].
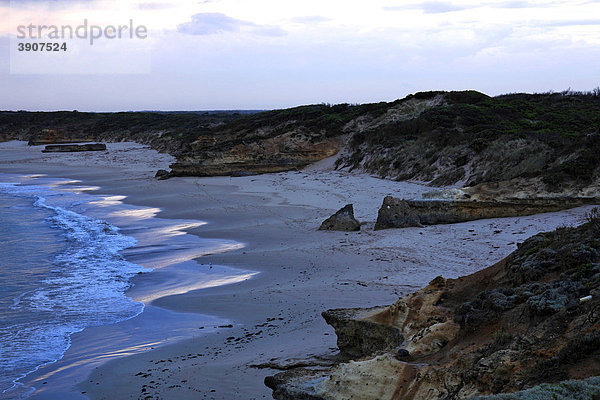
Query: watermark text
[90,32]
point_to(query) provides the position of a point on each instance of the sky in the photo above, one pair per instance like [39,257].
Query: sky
[265,54]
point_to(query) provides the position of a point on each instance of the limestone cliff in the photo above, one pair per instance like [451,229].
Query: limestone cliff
[529,319]
[220,155]
[283,140]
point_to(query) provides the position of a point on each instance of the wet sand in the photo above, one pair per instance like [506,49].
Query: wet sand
[275,315]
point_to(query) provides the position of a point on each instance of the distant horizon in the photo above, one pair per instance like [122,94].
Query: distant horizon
[257,110]
[149,111]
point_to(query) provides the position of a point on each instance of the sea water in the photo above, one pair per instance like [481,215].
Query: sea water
[60,272]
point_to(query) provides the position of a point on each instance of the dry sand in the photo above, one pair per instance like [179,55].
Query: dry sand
[274,316]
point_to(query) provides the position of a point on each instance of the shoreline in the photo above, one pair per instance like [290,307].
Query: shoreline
[166,253]
[303,272]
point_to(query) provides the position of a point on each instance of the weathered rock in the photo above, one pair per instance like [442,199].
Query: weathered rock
[296,384]
[580,389]
[401,213]
[359,335]
[162,174]
[342,220]
[54,136]
[371,337]
[402,354]
[255,155]
[70,148]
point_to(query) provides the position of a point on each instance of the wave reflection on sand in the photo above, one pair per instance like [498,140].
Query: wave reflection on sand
[163,246]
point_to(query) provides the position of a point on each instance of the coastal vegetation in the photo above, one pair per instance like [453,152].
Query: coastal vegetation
[438,137]
[476,138]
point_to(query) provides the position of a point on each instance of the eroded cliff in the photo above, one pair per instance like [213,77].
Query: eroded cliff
[545,142]
[529,319]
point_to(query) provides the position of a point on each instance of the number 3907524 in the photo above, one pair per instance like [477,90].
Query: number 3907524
[42,46]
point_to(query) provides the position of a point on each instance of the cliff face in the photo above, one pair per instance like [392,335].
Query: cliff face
[549,141]
[471,139]
[289,139]
[524,321]
[223,156]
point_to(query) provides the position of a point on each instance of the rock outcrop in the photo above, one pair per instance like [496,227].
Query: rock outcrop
[360,331]
[342,220]
[574,389]
[70,148]
[400,213]
[286,152]
[530,319]
[53,136]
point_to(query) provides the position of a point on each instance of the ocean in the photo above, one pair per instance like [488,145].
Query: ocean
[60,272]
[68,260]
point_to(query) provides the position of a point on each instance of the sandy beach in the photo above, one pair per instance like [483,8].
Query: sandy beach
[194,342]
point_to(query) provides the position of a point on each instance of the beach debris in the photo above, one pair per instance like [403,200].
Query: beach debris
[585,299]
[343,220]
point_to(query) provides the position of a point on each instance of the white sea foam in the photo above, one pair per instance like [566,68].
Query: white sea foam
[85,287]
[77,276]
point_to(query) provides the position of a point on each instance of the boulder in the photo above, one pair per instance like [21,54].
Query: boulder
[162,174]
[343,220]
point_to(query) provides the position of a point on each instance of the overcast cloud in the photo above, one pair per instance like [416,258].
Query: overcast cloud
[213,23]
[270,54]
